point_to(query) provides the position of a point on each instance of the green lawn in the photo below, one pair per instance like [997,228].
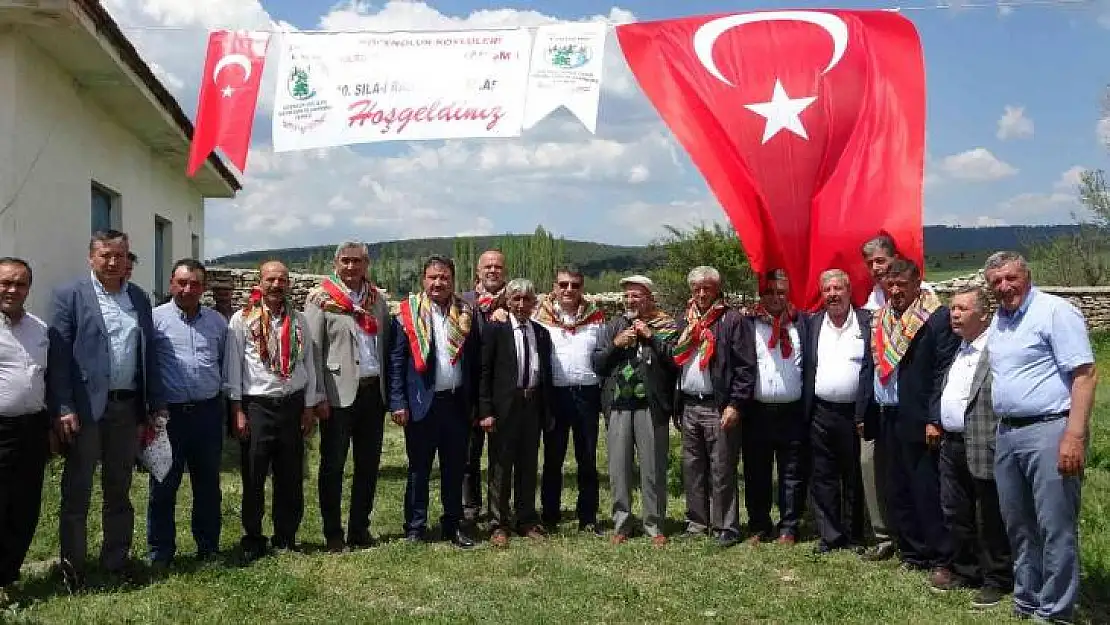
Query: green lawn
[567,578]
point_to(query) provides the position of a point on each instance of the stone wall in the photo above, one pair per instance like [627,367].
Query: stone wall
[1094,302]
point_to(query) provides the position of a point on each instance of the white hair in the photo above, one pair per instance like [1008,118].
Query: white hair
[998,260]
[522,286]
[352,245]
[829,275]
[703,273]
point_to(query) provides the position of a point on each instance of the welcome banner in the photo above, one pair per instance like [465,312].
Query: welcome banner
[344,88]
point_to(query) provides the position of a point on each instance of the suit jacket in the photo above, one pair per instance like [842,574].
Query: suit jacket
[921,375]
[733,366]
[413,391]
[980,420]
[813,324]
[335,339]
[78,367]
[802,325]
[500,370]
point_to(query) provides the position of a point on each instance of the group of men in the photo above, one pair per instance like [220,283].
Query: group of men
[958,436]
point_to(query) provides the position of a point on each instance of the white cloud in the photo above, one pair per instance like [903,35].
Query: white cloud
[976,165]
[641,220]
[973,221]
[1014,124]
[1102,131]
[1039,208]
[1069,180]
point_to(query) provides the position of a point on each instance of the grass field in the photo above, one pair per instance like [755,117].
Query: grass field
[567,578]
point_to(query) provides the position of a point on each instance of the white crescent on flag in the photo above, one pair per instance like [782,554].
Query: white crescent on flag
[232,59]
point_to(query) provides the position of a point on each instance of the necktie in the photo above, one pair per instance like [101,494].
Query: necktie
[527,367]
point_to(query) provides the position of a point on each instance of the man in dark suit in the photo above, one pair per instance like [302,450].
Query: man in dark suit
[968,495]
[513,408]
[488,300]
[775,428]
[104,389]
[715,354]
[912,345]
[836,352]
[433,376]
[349,321]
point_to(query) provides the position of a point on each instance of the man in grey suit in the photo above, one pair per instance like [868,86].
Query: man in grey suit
[348,318]
[104,389]
[968,494]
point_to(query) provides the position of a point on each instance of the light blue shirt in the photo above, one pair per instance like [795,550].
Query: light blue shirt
[189,352]
[124,335]
[1033,352]
[887,394]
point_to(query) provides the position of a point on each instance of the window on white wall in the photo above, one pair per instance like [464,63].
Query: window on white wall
[163,256]
[105,208]
[196,246]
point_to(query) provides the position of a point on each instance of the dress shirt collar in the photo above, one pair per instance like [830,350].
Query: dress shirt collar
[514,321]
[849,323]
[976,346]
[1014,316]
[99,286]
[184,315]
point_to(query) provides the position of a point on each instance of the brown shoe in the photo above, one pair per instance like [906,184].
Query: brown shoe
[336,545]
[618,539]
[500,538]
[535,533]
[943,580]
[786,540]
[658,540]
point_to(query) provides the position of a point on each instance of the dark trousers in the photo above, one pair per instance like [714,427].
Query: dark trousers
[914,500]
[196,439]
[836,485]
[275,443]
[774,436]
[709,458]
[577,411]
[23,454]
[514,448]
[442,431]
[472,474]
[359,427]
[980,549]
[112,442]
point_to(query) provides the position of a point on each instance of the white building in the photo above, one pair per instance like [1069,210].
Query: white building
[89,139]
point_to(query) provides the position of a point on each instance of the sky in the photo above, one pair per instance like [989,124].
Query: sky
[1015,113]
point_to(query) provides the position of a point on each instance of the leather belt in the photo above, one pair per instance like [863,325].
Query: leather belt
[1020,422]
[122,395]
[697,398]
[190,406]
[368,381]
[887,410]
[527,393]
[449,394]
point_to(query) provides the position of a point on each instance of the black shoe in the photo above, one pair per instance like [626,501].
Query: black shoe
[823,548]
[365,541]
[461,540]
[987,597]
[130,573]
[592,528]
[727,539]
[335,545]
[285,545]
[415,537]
[882,552]
[73,579]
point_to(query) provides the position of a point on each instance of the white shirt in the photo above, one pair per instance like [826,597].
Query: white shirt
[694,380]
[840,353]
[448,376]
[246,374]
[572,353]
[779,380]
[957,391]
[368,364]
[23,349]
[525,338]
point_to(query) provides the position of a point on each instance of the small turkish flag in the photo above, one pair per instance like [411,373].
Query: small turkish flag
[808,126]
[228,96]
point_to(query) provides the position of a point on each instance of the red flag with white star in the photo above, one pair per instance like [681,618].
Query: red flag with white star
[228,96]
[808,126]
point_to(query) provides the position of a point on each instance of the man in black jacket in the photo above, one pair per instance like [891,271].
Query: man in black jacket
[512,408]
[633,358]
[715,354]
[912,346]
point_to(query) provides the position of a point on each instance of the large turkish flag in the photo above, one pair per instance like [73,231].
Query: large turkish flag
[808,126]
[228,96]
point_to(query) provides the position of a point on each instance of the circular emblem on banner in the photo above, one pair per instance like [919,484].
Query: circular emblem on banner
[306,107]
[567,56]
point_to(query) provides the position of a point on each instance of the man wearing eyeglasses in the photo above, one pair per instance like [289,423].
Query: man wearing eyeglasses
[574,324]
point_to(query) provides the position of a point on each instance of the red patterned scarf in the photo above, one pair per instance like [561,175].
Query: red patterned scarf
[892,332]
[550,314]
[780,327]
[416,319]
[332,296]
[489,302]
[697,337]
[278,352]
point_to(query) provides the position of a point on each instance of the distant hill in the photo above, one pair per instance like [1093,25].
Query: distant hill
[941,243]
